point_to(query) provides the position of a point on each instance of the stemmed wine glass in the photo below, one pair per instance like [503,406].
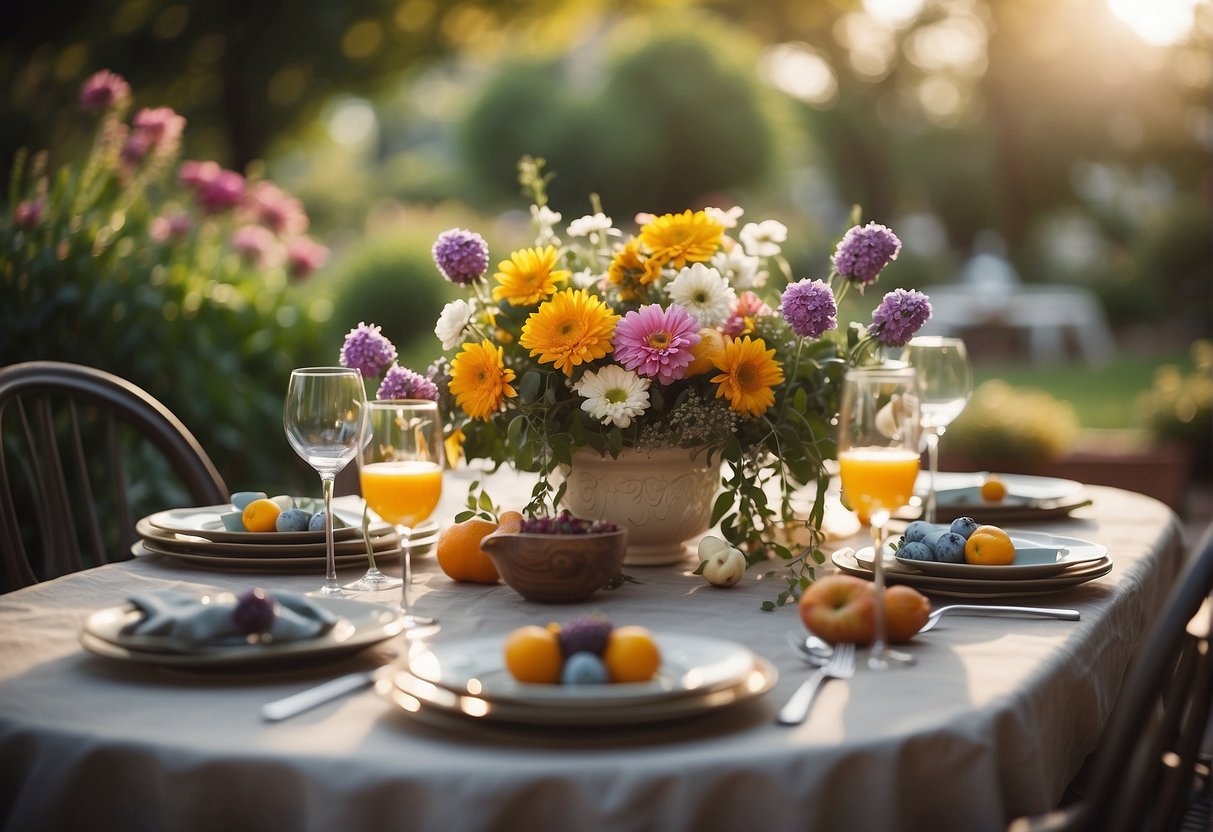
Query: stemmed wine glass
[945,380]
[401,473]
[322,416]
[878,463]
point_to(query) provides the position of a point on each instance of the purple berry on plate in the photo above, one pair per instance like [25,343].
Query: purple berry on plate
[950,548]
[916,531]
[254,611]
[916,550]
[292,520]
[964,526]
[588,634]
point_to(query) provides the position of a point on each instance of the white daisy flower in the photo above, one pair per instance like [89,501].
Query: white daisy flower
[726,218]
[452,322]
[739,269]
[545,220]
[586,279]
[703,293]
[588,225]
[613,395]
[763,239]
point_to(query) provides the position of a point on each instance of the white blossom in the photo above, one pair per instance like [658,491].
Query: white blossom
[763,239]
[452,322]
[739,269]
[590,224]
[613,395]
[726,218]
[703,293]
[545,220]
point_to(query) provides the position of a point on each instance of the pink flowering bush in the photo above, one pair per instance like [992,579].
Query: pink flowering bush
[175,274]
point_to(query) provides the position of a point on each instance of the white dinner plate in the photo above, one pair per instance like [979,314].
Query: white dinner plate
[1037,555]
[425,699]
[205,522]
[359,626]
[689,664]
[225,563]
[964,489]
[846,561]
[178,542]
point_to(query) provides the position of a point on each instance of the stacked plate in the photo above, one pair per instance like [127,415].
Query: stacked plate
[1028,498]
[358,627]
[197,536]
[467,679]
[1044,563]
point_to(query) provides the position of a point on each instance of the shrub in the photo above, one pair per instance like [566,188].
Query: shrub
[1179,407]
[1005,423]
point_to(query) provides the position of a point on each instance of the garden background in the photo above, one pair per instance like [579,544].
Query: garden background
[1072,138]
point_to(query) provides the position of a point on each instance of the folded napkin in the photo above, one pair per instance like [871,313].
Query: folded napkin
[178,615]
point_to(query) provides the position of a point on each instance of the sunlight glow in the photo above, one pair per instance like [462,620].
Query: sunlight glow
[352,122]
[893,12]
[1157,22]
[798,70]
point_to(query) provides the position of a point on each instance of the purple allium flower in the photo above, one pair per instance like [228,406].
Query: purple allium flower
[170,227]
[809,307]
[304,255]
[104,89]
[402,383]
[901,313]
[28,213]
[222,192]
[864,251]
[255,611]
[656,342]
[462,256]
[276,209]
[748,307]
[367,350]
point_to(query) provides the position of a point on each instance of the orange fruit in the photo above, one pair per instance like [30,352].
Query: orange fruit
[993,490]
[532,654]
[990,546]
[260,515]
[631,655]
[706,351]
[458,552]
[905,611]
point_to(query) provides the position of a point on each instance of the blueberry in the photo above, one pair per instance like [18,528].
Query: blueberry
[316,523]
[916,550]
[950,548]
[583,669]
[916,531]
[292,520]
[964,526]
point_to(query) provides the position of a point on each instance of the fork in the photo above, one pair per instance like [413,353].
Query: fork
[981,609]
[840,666]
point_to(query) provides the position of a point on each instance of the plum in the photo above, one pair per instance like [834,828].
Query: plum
[964,526]
[916,531]
[916,550]
[950,548]
[292,520]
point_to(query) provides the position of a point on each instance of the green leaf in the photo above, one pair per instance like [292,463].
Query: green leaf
[517,431]
[724,501]
[528,387]
[767,606]
[464,515]
[485,502]
[699,569]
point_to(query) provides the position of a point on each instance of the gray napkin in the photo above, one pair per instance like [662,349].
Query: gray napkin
[177,615]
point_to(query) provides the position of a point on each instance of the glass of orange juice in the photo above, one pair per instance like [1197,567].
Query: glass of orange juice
[400,470]
[878,463]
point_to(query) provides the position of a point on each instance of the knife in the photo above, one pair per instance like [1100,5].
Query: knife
[305,700]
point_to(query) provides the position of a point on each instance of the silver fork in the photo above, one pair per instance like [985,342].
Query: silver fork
[984,609]
[840,666]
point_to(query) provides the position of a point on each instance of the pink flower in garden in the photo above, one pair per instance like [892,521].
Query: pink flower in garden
[196,174]
[170,227]
[656,342]
[28,213]
[276,209]
[304,255]
[104,89]
[748,307]
[256,245]
[221,193]
[155,131]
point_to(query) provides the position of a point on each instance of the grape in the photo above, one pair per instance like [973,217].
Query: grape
[566,523]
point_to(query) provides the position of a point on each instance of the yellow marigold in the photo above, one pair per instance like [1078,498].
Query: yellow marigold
[678,239]
[528,276]
[572,328]
[480,381]
[748,375]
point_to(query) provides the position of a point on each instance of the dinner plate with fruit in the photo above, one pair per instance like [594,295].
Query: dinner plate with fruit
[965,548]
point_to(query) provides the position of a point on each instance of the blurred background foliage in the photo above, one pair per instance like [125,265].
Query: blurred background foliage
[1077,134]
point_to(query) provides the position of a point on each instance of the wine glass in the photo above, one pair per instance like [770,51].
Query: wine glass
[878,463]
[945,381]
[401,473]
[322,416]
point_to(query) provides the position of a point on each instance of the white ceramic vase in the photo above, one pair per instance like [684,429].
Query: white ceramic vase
[663,498]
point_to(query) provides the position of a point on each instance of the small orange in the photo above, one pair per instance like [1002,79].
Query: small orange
[993,490]
[260,515]
[458,552]
[631,655]
[990,546]
[532,654]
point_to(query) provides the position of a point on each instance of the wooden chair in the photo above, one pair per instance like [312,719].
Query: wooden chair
[84,454]
[1147,772]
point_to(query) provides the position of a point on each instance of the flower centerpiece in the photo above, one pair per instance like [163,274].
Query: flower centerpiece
[688,334]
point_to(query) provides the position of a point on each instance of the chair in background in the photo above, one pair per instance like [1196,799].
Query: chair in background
[82,454]
[1147,772]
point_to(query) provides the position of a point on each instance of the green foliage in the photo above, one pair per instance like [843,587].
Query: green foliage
[1002,422]
[1179,406]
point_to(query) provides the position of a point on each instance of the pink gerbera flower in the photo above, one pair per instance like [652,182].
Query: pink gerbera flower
[656,342]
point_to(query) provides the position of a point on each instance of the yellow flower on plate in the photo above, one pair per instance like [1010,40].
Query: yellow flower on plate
[678,239]
[572,328]
[528,276]
[480,381]
[748,372]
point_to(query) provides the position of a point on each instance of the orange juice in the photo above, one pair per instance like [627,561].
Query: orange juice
[403,493]
[877,478]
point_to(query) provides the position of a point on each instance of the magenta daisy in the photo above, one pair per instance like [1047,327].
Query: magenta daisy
[656,342]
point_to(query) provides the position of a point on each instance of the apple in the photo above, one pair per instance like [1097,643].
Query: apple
[839,608]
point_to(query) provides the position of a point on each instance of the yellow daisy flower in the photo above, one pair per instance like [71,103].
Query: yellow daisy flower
[683,238]
[572,328]
[528,276]
[480,381]
[749,371]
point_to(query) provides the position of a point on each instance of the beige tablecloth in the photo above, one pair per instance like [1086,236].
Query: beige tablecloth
[992,722]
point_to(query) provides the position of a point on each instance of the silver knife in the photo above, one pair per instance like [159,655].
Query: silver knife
[305,700]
